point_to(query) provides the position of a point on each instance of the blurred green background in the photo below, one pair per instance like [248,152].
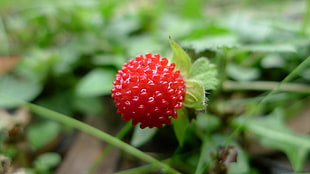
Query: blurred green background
[64,54]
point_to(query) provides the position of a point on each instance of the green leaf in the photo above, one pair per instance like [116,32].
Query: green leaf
[47,161]
[272,60]
[175,21]
[41,133]
[206,122]
[95,83]
[180,125]
[195,95]
[142,43]
[38,64]
[58,100]
[141,136]
[19,87]
[67,58]
[82,105]
[193,8]
[208,147]
[240,73]
[204,72]
[306,74]
[269,48]
[180,58]
[123,25]
[109,59]
[212,43]
[272,132]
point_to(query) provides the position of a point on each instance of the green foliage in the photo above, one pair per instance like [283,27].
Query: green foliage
[204,72]
[66,120]
[23,88]
[82,104]
[9,151]
[272,132]
[95,83]
[239,73]
[216,42]
[40,134]
[199,77]
[180,125]
[181,59]
[45,162]
[70,51]
[141,136]
[269,48]
[206,123]
[210,146]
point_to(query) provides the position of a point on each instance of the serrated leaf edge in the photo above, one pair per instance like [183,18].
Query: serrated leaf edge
[182,61]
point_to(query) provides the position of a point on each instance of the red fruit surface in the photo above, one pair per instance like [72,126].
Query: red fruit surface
[148,91]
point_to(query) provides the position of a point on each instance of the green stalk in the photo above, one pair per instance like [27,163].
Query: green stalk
[265,86]
[221,63]
[141,170]
[68,121]
[107,150]
[5,38]
[200,166]
[288,78]
[306,19]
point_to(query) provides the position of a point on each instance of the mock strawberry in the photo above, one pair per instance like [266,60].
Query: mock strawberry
[148,91]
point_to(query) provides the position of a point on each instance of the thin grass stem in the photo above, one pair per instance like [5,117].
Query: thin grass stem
[108,149]
[288,78]
[68,121]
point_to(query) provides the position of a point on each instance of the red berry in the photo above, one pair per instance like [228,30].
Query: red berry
[148,91]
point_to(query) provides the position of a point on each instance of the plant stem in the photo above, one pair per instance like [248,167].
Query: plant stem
[142,169]
[99,134]
[288,78]
[265,86]
[5,41]
[201,165]
[306,18]
[222,60]
[106,151]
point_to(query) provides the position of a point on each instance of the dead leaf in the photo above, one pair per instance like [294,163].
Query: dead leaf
[20,116]
[14,123]
[7,63]
[224,156]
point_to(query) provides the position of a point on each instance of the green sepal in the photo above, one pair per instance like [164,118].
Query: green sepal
[204,72]
[195,95]
[180,125]
[181,59]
